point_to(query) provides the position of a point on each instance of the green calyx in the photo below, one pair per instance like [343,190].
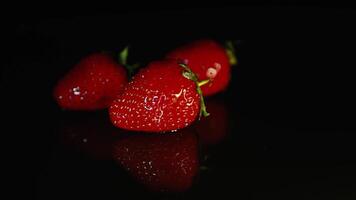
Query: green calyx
[189,74]
[231,52]
[123,55]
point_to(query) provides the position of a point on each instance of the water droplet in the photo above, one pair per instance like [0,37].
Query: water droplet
[179,93]
[147,107]
[76,91]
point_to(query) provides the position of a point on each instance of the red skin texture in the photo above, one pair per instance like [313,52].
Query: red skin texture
[202,55]
[161,162]
[158,99]
[91,84]
[213,129]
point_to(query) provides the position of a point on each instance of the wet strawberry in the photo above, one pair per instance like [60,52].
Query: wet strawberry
[164,96]
[91,84]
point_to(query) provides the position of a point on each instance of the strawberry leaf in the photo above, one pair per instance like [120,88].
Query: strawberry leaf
[123,55]
[231,53]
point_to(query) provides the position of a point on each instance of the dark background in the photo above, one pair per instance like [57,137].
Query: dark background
[291,98]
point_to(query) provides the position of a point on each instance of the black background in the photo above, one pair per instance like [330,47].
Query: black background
[292,96]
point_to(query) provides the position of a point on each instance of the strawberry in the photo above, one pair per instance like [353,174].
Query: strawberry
[164,96]
[91,84]
[208,60]
[161,162]
[213,129]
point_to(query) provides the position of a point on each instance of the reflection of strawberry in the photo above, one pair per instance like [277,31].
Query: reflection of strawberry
[90,134]
[213,129]
[164,96]
[208,60]
[167,162]
[92,84]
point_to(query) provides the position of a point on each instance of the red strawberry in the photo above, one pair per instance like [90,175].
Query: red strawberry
[208,60]
[92,84]
[161,162]
[164,96]
[213,129]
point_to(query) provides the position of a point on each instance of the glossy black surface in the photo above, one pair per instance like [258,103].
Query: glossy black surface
[291,102]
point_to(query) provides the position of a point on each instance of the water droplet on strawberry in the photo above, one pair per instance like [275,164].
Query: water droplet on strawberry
[76,91]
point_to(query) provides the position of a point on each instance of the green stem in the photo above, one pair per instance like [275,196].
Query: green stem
[123,56]
[231,53]
[189,74]
[203,82]
[202,104]
[131,69]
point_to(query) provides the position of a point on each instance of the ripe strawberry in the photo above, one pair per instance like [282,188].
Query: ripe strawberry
[213,129]
[164,96]
[92,84]
[208,60]
[161,162]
